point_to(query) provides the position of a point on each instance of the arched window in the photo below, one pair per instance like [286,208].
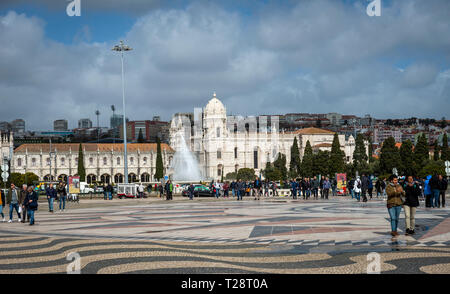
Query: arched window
[219,170]
[33,161]
[118,178]
[235,152]
[144,160]
[105,161]
[219,154]
[90,179]
[218,132]
[105,178]
[48,161]
[145,177]
[63,161]
[19,162]
[91,161]
[118,160]
[132,178]
[131,160]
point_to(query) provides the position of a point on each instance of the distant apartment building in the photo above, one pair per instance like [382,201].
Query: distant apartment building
[115,121]
[60,125]
[335,118]
[18,126]
[84,123]
[151,130]
[381,134]
[5,126]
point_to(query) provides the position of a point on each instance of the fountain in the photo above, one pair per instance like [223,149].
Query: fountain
[184,166]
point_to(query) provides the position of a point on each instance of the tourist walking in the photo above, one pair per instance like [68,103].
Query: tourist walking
[315,187]
[13,200]
[241,189]
[412,192]
[226,190]
[443,184]
[370,187]
[233,187]
[62,195]
[357,188]
[191,192]
[105,192]
[294,189]
[364,187]
[274,189]
[334,186]
[1,206]
[51,195]
[427,191]
[169,190]
[351,187]
[395,193]
[22,196]
[31,202]
[109,191]
[326,187]
[435,191]
[308,187]
[141,190]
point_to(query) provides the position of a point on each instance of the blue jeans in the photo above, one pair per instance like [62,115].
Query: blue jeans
[31,216]
[109,195]
[191,195]
[352,193]
[394,213]
[239,194]
[234,193]
[435,198]
[294,194]
[105,195]
[50,203]
[308,193]
[62,200]
[217,193]
[357,195]
[1,211]
[11,207]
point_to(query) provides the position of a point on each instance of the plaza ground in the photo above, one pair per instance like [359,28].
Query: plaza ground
[206,235]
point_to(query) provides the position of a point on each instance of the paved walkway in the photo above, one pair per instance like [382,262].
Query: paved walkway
[302,235]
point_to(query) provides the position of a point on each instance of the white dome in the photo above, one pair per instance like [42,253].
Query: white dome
[215,107]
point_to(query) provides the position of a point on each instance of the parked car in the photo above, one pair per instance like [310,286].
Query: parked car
[199,191]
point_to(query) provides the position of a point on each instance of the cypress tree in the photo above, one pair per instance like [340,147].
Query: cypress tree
[445,152]
[407,159]
[389,157]
[321,163]
[140,137]
[421,153]
[307,161]
[159,174]
[371,159]
[81,169]
[359,155]
[436,151]
[294,166]
[337,157]
[280,165]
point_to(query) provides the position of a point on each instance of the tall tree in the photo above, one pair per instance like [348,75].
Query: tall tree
[270,173]
[359,155]
[81,169]
[389,157]
[321,163]
[159,174]
[337,157]
[280,165]
[421,153]
[407,159]
[371,158]
[246,174]
[140,137]
[307,164]
[436,150]
[445,152]
[294,165]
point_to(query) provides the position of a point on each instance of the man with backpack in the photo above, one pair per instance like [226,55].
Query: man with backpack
[364,187]
[442,187]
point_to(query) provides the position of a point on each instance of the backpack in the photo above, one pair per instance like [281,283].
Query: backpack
[358,185]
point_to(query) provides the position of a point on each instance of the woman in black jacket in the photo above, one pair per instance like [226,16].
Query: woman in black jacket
[31,202]
[412,190]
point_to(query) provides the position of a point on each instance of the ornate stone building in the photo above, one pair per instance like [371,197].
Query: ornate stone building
[102,162]
[224,144]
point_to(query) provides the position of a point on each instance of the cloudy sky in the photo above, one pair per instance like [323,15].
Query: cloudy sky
[261,57]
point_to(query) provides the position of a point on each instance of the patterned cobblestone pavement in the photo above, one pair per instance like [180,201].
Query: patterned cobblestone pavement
[225,236]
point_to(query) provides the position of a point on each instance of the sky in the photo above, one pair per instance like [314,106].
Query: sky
[260,57]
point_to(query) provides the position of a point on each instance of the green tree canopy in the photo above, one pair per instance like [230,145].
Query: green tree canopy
[337,157]
[294,166]
[280,165]
[246,174]
[421,153]
[140,137]
[432,168]
[321,163]
[445,152]
[81,169]
[389,157]
[407,159]
[359,155]
[436,151]
[307,164]
[159,173]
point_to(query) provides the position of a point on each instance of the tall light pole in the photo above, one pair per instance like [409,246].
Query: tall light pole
[121,48]
[113,108]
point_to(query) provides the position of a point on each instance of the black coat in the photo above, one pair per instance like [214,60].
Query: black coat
[33,196]
[412,194]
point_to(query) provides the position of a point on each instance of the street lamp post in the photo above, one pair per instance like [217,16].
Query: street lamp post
[121,48]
